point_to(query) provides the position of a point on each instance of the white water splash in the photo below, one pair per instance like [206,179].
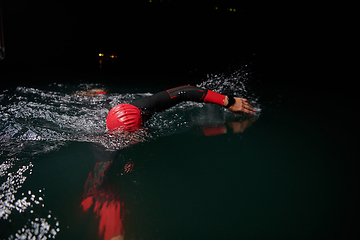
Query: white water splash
[28,201]
[9,187]
[39,228]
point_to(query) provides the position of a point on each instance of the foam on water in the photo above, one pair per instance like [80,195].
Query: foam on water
[36,121]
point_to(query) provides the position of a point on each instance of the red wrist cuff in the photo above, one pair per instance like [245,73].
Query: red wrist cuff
[213,97]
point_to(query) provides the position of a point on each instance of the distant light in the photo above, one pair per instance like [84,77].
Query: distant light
[216,8]
[112,56]
[234,10]
[101,54]
[150,0]
[230,9]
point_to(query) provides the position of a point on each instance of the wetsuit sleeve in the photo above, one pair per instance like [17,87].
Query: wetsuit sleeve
[166,99]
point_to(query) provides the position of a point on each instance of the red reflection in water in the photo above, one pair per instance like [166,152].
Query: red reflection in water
[110,213]
[107,206]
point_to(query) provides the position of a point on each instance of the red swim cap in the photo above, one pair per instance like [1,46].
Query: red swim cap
[125,117]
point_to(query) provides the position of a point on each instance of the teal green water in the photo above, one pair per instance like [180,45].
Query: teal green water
[287,176]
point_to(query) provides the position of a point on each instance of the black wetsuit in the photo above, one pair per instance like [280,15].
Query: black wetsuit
[169,98]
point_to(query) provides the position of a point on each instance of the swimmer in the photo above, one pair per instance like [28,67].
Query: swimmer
[109,209]
[92,93]
[131,117]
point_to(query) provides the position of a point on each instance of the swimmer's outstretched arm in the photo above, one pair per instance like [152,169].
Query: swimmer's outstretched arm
[166,99]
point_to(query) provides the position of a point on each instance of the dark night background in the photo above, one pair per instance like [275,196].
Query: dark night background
[283,42]
[287,45]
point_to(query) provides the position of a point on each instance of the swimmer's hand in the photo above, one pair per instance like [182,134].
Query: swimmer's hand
[240,106]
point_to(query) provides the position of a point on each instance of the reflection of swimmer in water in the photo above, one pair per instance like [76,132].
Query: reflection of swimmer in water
[234,126]
[131,117]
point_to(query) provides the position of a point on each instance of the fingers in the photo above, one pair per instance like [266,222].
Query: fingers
[247,108]
[248,112]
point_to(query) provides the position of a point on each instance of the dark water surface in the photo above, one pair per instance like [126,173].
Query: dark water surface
[289,175]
